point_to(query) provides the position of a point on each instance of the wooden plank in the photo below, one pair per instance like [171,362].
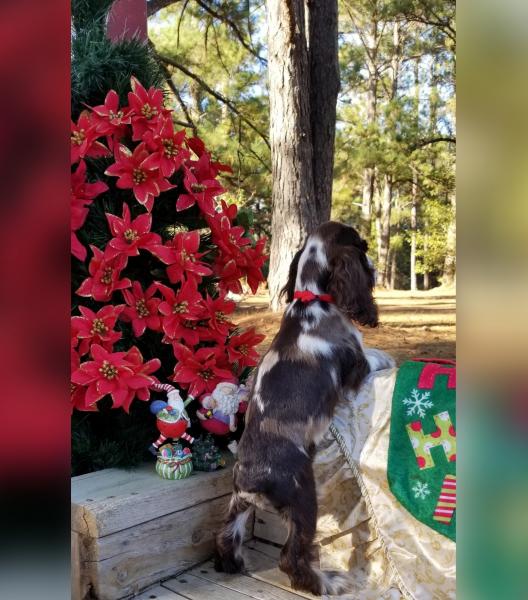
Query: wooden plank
[269,526]
[75,572]
[128,561]
[264,568]
[268,549]
[158,593]
[260,590]
[115,499]
[196,588]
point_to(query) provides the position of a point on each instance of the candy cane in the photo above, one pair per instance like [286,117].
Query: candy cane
[446,505]
[167,387]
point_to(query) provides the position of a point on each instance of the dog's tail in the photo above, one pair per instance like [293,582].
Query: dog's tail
[228,556]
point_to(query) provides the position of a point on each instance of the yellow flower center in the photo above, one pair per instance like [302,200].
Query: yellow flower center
[198,187]
[78,137]
[107,276]
[118,115]
[139,176]
[131,235]
[189,324]
[206,374]
[180,307]
[170,148]
[98,326]
[141,308]
[149,111]
[108,370]
[220,317]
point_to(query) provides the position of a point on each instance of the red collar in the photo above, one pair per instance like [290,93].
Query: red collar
[306,296]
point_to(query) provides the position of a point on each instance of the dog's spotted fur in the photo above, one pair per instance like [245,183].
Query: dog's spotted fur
[316,356]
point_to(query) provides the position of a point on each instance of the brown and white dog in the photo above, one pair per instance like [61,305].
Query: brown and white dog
[315,358]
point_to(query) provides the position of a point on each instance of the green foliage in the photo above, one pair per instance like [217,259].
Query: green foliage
[210,49]
[112,438]
[99,65]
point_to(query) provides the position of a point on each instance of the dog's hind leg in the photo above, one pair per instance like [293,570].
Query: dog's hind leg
[228,556]
[298,556]
[298,553]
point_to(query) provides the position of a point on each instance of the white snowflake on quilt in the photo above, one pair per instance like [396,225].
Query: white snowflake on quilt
[421,490]
[418,403]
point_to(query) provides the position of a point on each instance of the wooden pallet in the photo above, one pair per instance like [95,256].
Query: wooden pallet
[263,580]
[133,528]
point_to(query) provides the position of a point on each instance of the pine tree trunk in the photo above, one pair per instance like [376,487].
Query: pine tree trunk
[449,275]
[414,210]
[303,72]
[369,173]
[294,213]
[426,283]
[393,270]
[384,231]
[324,87]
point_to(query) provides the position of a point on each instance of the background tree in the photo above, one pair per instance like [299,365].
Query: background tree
[395,127]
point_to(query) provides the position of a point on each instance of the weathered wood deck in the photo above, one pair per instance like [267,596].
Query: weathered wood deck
[263,580]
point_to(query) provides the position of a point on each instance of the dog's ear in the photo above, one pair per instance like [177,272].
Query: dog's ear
[289,289]
[351,282]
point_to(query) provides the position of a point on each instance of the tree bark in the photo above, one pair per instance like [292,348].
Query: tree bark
[384,213]
[294,213]
[414,211]
[324,87]
[449,275]
[384,231]
[369,173]
[303,73]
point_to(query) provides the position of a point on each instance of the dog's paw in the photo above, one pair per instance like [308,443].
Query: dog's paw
[229,564]
[335,583]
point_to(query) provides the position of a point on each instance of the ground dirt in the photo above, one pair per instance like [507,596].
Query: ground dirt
[417,325]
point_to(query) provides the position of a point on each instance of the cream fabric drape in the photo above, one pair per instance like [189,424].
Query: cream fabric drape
[361,526]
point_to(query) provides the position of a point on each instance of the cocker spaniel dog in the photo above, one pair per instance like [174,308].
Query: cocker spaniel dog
[315,358]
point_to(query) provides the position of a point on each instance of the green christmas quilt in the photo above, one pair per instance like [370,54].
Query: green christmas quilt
[422,449]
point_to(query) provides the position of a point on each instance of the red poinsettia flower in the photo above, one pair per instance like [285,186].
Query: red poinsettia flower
[142,308]
[109,119]
[78,392]
[146,107]
[255,261]
[199,192]
[82,195]
[199,372]
[166,147]
[240,348]
[183,258]
[146,182]
[229,276]
[104,276]
[216,312]
[83,139]
[198,147]
[142,371]
[130,235]
[230,239]
[181,312]
[108,373]
[97,327]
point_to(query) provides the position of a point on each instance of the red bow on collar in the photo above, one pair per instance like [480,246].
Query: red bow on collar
[307,296]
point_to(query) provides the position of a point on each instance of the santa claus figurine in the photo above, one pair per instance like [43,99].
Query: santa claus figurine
[171,418]
[219,410]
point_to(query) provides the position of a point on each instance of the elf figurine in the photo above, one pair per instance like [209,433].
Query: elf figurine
[171,418]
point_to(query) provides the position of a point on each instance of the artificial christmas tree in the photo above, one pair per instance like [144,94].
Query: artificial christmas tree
[155,254]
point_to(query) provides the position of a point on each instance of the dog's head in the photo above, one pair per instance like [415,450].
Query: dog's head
[334,260]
